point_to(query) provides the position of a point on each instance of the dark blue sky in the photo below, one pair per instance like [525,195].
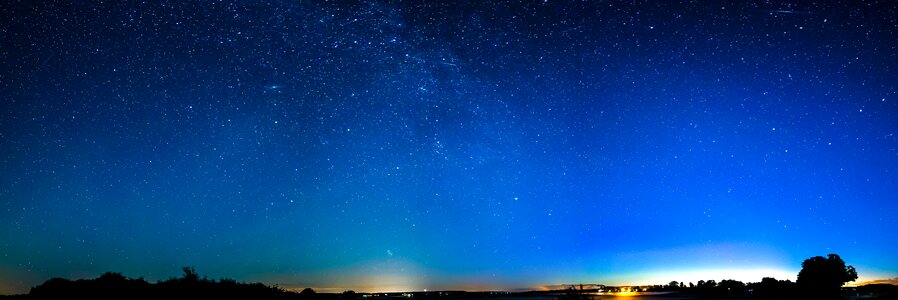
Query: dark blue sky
[437,145]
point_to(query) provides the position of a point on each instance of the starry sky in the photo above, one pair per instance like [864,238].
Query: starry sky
[410,145]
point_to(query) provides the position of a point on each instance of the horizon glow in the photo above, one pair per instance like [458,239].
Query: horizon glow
[394,146]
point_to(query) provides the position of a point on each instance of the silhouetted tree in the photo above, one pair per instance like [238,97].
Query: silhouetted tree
[770,288]
[710,284]
[706,288]
[823,277]
[190,274]
[228,282]
[731,287]
[673,285]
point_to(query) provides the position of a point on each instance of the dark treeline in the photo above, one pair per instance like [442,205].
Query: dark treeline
[190,286]
[820,278]
[767,288]
[771,288]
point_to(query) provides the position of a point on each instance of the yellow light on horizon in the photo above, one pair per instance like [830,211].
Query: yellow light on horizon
[626,292]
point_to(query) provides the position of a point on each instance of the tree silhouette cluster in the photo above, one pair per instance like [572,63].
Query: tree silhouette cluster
[770,288]
[819,278]
[190,286]
[728,288]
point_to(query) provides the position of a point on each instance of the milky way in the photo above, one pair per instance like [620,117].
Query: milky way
[391,145]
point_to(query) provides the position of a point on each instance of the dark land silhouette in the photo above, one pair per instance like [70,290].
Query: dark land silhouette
[823,277]
[819,278]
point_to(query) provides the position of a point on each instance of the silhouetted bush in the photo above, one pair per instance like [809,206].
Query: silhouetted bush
[348,295]
[307,293]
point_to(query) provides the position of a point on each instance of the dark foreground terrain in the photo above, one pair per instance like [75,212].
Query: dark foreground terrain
[191,286]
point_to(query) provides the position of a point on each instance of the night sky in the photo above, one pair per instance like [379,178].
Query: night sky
[415,145]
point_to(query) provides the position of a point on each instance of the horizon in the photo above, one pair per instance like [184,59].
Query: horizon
[550,287]
[421,145]
[861,281]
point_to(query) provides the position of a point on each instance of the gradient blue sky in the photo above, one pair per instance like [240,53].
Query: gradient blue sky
[393,145]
